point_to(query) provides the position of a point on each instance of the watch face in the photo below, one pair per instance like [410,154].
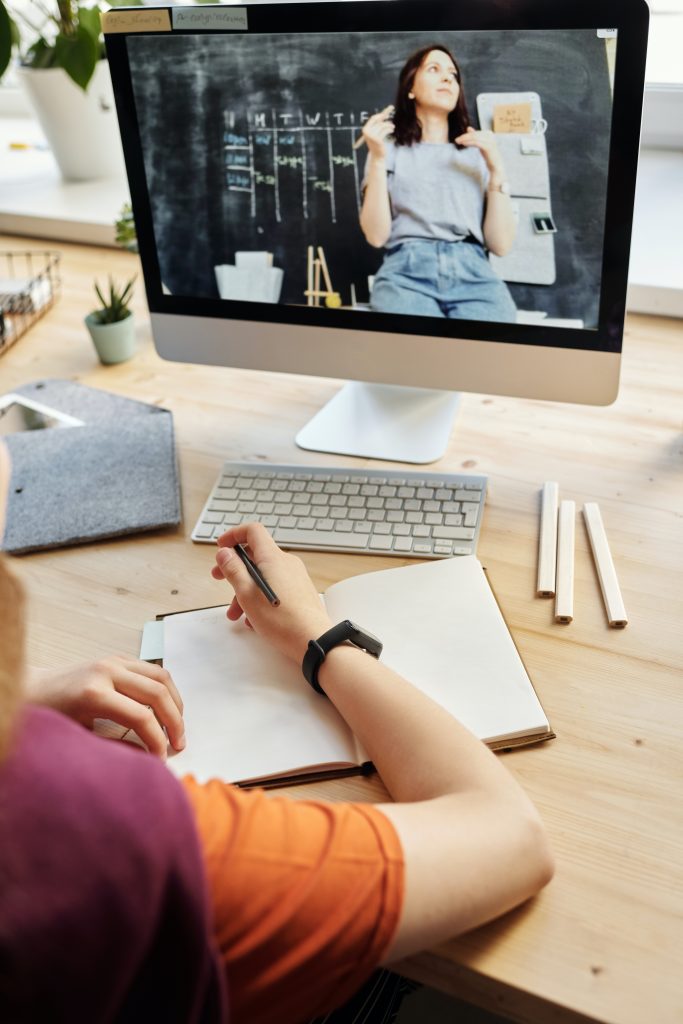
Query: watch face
[362,638]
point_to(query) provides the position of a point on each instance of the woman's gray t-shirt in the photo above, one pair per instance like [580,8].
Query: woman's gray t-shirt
[436,191]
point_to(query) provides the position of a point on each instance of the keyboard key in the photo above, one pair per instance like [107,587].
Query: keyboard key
[381,543]
[403,543]
[452,532]
[291,538]
[205,531]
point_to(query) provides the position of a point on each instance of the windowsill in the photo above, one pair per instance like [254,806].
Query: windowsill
[656,266]
[35,201]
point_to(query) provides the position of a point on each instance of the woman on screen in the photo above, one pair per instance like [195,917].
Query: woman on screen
[436,197]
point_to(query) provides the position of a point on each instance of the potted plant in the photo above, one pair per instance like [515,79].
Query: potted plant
[66,76]
[125,231]
[112,327]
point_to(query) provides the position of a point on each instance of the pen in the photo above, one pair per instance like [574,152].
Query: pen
[27,145]
[256,576]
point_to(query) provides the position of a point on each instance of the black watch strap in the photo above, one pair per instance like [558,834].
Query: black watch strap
[318,649]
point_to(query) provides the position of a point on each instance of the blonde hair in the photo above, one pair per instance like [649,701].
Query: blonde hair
[12,639]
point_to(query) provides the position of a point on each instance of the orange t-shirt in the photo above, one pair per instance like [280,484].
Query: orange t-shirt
[306,897]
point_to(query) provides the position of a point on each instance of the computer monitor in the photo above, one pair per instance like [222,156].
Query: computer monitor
[495,145]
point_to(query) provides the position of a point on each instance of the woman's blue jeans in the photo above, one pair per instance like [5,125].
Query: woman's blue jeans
[446,279]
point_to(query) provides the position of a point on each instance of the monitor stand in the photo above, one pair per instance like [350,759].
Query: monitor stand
[383,421]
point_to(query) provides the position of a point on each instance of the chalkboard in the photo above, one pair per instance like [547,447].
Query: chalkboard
[248,145]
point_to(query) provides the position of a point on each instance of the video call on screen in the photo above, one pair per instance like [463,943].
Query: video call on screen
[255,170]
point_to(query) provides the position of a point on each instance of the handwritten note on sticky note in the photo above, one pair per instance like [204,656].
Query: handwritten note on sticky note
[512,117]
[142,19]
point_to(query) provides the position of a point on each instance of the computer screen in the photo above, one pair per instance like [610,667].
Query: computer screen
[412,193]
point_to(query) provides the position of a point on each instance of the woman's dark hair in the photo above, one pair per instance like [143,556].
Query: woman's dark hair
[406,125]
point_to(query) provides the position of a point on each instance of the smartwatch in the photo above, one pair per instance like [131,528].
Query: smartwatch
[344,632]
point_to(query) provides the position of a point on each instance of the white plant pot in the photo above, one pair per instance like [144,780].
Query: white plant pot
[81,127]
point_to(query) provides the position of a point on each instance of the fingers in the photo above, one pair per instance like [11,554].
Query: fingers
[254,535]
[160,675]
[234,612]
[150,689]
[381,115]
[140,719]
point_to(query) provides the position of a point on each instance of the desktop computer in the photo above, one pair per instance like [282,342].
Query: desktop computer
[415,196]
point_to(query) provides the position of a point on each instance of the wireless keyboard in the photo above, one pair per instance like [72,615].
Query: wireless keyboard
[407,514]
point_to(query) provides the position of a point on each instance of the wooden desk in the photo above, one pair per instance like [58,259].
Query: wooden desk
[603,941]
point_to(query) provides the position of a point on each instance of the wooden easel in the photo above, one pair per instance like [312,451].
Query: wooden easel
[317,265]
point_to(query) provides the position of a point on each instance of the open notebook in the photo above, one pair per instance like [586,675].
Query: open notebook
[251,718]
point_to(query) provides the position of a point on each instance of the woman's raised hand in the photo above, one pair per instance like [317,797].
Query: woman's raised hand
[378,128]
[486,143]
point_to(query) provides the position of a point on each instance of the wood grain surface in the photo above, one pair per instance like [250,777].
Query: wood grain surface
[603,941]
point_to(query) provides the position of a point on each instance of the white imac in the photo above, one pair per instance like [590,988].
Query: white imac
[495,143]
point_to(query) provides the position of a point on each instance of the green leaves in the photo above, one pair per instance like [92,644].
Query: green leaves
[115,306]
[77,54]
[6,38]
[77,46]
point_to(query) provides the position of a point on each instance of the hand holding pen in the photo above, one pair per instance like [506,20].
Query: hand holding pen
[300,615]
[375,130]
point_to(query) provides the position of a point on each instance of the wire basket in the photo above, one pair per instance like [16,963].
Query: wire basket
[29,286]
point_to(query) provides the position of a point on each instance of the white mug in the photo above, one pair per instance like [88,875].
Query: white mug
[538,126]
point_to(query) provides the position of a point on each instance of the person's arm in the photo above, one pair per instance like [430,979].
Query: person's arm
[499,223]
[375,214]
[132,693]
[473,843]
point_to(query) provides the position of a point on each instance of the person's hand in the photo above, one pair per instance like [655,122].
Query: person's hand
[376,129]
[132,693]
[298,618]
[486,143]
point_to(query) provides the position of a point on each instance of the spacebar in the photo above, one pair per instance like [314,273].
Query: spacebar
[321,538]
